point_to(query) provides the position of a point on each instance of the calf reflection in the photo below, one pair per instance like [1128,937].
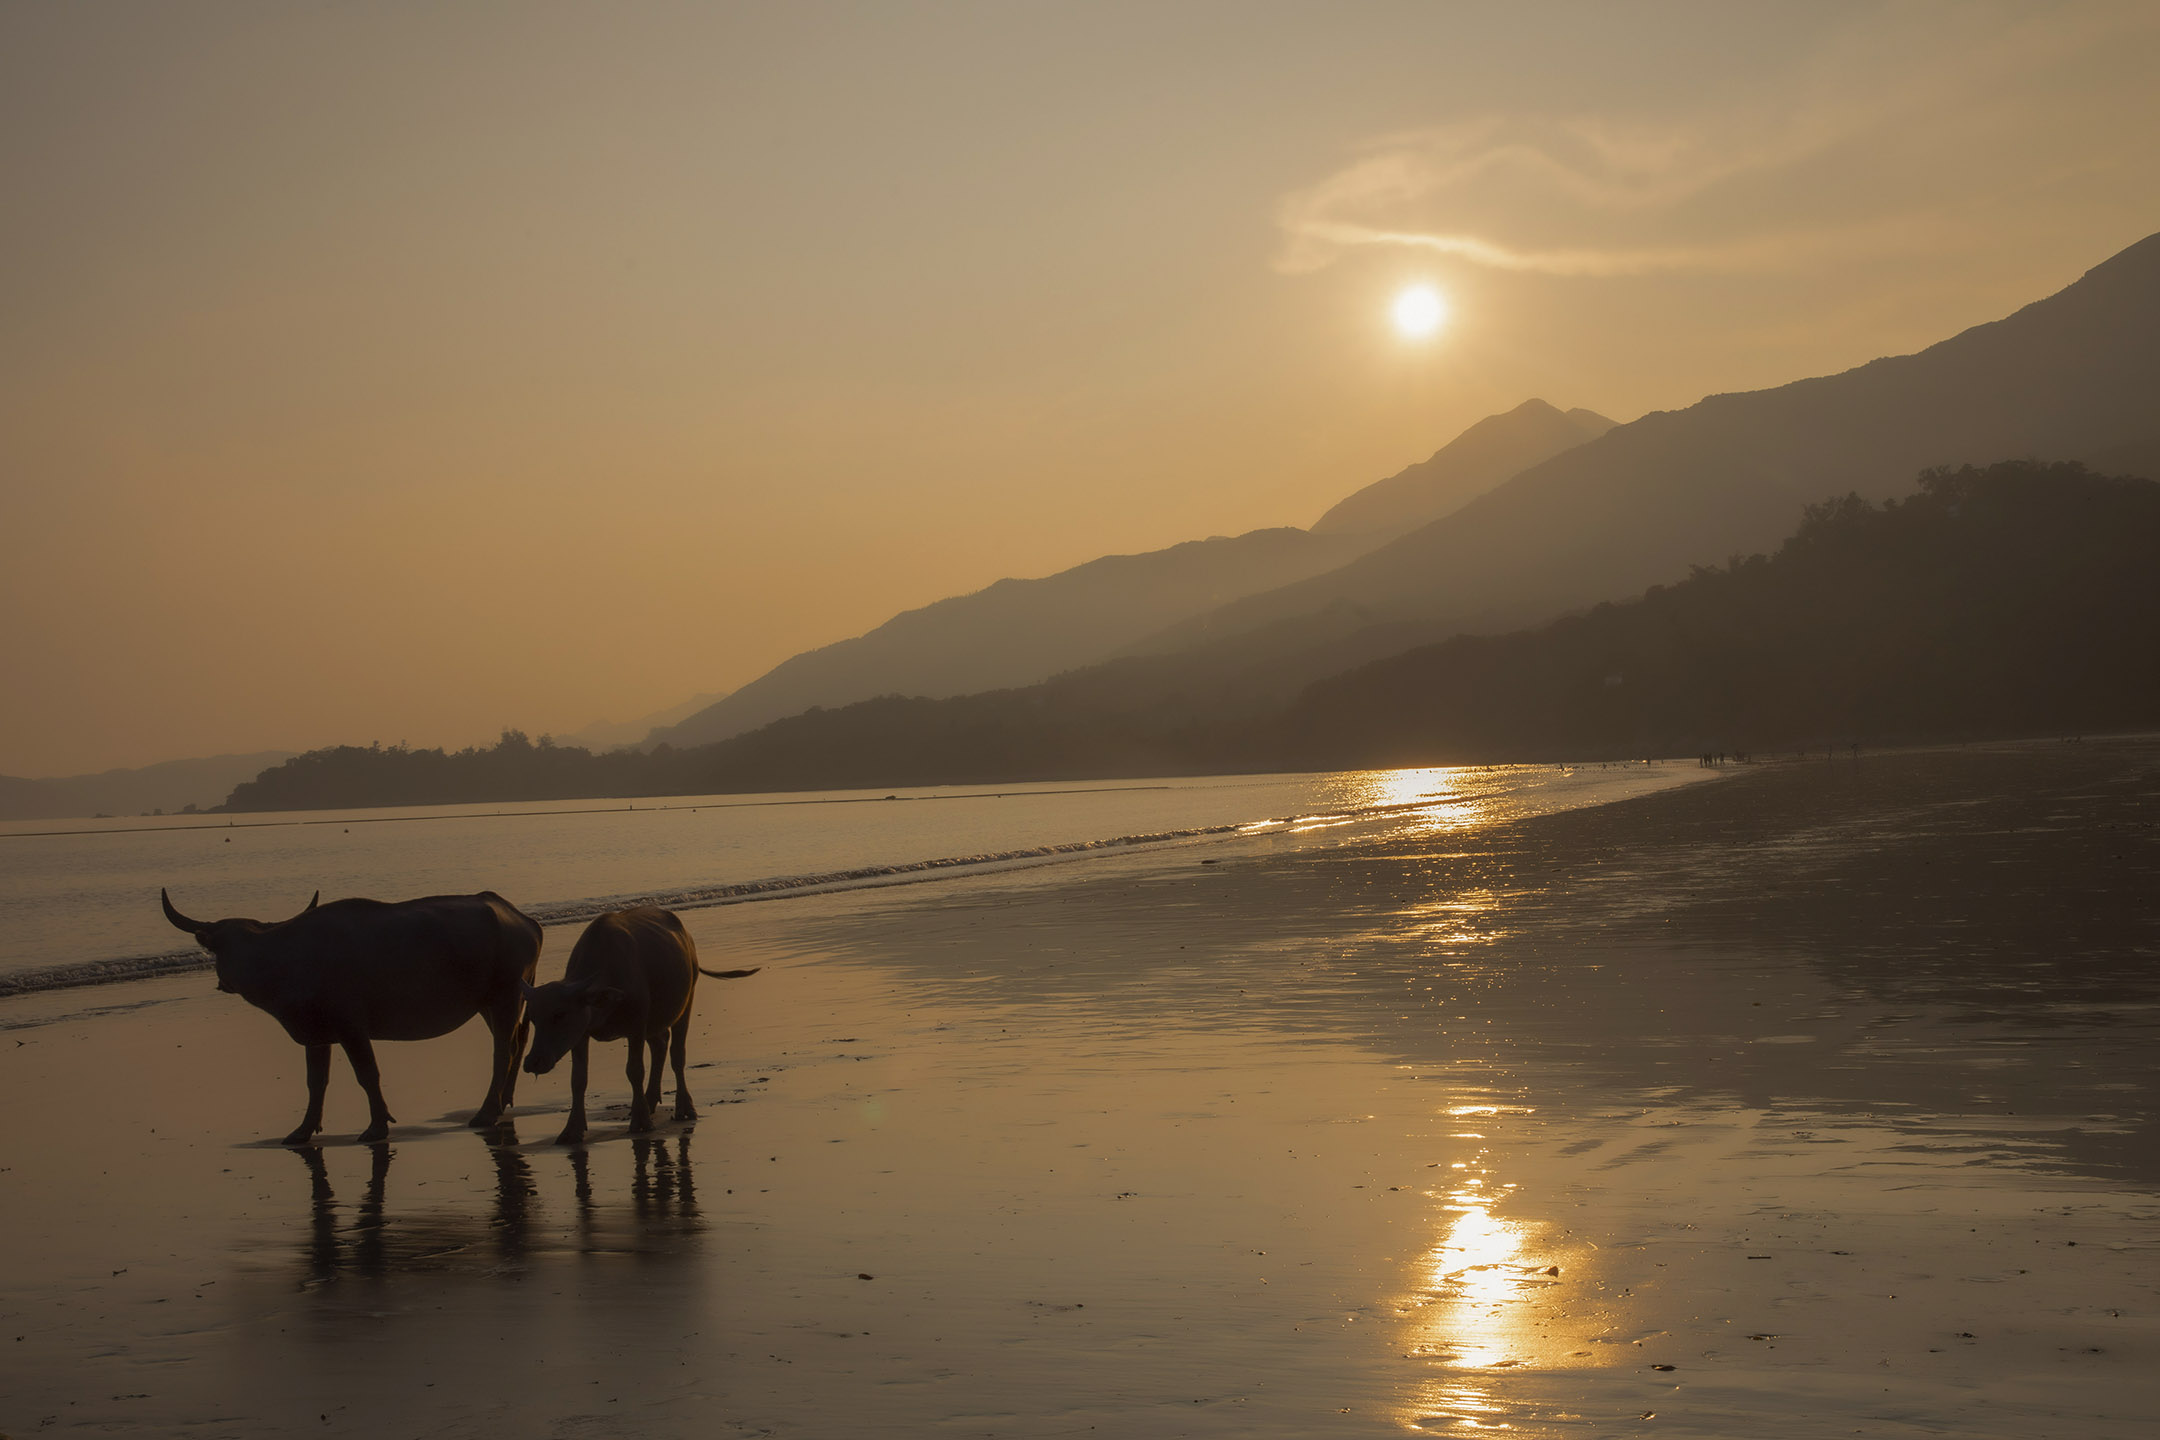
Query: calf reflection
[662,1210]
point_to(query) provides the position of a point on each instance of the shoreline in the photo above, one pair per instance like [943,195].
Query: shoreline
[121,969]
[862,795]
[1165,1147]
[688,894]
[714,802]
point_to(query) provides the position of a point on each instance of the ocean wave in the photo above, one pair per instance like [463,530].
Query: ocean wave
[101,972]
[779,887]
[566,912]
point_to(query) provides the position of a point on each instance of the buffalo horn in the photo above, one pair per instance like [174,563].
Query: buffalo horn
[193,927]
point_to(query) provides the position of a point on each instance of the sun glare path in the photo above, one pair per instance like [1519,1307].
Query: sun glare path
[1419,311]
[1493,1297]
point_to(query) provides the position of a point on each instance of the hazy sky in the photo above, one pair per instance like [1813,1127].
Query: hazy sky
[408,371]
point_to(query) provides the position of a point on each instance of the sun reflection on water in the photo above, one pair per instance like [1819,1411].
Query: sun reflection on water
[1399,787]
[1425,802]
[1431,800]
[1465,917]
[1490,1297]
[1418,802]
[1477,1270]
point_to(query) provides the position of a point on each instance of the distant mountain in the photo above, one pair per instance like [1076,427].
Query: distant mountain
[171,787]
[613,734]
[2072,377]
[2019,600]
[1018,632]
[1495,449]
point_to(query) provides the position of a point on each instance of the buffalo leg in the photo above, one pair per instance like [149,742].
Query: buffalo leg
[361,1054]
[640,1111]
[318,1080]
[519,1039]
[659,1075]
[680,1037]
[573,1130]
[502,1080]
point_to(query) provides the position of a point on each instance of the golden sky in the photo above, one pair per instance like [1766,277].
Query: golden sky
[406,372]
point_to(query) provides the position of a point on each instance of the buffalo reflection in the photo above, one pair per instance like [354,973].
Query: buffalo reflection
[373,1239]
[377,1242]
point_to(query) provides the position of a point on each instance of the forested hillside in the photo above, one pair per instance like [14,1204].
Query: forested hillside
[2017,600]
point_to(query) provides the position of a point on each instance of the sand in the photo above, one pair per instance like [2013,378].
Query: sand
[1816,1100]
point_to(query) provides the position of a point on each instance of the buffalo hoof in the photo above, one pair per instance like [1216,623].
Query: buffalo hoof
[300,1136]
[571,1137]
[685,1111]
[483,1119]
[641,1125]
[375,1134]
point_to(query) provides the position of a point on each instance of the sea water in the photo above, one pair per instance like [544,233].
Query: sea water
[79,900]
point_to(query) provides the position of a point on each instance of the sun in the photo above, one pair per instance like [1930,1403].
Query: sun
[1419,310]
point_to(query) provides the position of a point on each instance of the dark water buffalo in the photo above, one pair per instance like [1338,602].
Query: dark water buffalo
[631,976]
[356,971]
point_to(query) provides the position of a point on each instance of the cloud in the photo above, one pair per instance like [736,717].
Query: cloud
[1759,253]
[1467,191]
[1872,145]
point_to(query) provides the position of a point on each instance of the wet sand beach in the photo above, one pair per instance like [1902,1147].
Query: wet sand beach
[1817,1099]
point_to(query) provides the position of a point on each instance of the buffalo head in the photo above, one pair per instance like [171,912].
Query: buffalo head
[564,1012]
[221,937]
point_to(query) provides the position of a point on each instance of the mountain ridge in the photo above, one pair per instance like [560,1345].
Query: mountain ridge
[2073,376]
[170,785]
[1485,455]
[1011,632]
[1017,632]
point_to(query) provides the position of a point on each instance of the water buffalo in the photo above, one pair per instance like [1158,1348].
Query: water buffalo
[356,971]
[631,976]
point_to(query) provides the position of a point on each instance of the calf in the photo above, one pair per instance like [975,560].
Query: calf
[630,977]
